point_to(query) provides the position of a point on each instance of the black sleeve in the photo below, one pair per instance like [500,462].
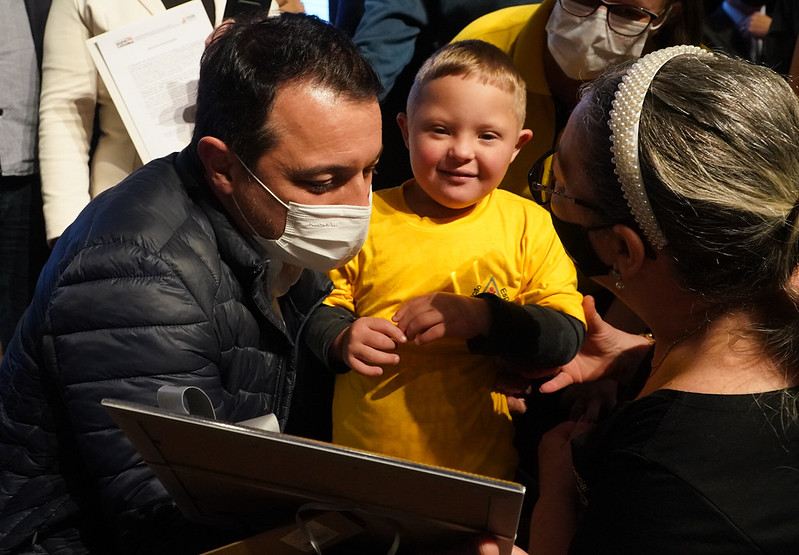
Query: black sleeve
[323,326]
[543,336]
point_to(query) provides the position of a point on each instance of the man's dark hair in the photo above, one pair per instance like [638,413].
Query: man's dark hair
[245,65]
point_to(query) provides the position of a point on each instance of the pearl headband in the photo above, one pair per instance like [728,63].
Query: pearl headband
[625,117]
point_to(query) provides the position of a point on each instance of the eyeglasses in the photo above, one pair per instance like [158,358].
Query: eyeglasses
[624,19]
[541,180]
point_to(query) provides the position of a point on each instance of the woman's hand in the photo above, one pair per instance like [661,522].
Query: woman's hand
[607,352]
[555,473]
[483,546]
[554,520]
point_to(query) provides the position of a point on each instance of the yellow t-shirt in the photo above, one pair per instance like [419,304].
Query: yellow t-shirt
[438,405]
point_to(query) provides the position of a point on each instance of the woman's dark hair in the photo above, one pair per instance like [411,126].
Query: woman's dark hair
[251,59]
[719,155]
[684,25]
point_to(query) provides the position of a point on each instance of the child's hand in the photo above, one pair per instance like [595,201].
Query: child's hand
[431,317]
[364,345]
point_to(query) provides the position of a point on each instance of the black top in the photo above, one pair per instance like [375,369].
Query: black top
[687,473]
[721,32]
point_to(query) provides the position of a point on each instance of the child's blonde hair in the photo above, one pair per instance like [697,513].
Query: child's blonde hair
[472,58]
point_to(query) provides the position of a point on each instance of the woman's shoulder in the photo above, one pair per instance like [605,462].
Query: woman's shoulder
[675,429]
[701,440]
[630,427]
[721,468]
[668,417]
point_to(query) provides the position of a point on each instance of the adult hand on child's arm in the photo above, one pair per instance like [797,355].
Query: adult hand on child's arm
[365,345]
[607,352]
[430,317]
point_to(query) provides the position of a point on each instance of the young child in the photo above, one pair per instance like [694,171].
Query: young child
[453,273]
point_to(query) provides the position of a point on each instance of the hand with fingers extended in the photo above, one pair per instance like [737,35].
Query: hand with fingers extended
[430,317]
[607,352]
[365,346]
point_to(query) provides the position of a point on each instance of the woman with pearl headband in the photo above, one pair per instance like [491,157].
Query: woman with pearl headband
[694,209]
[679,176]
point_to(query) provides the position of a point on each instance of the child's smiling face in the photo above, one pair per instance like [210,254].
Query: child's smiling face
[462,133]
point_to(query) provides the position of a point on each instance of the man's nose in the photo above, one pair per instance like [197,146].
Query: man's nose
[360,190]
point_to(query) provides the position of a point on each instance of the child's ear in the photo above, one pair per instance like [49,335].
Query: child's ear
[524,137]
[402,121]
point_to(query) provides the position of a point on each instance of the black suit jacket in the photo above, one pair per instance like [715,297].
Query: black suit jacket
[721,32]
[37,17]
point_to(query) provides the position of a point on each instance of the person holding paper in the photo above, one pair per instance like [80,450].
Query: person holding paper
[195,270]
[83,146]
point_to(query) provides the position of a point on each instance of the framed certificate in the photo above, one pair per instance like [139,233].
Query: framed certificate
[344,500]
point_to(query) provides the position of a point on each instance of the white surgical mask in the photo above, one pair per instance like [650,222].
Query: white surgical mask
[584,46]
[318,237]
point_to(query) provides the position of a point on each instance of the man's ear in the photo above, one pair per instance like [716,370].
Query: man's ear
[631,250]
[402,121]
[218,161]
[524,137]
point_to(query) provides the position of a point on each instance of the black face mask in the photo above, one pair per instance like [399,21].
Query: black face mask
[578,246]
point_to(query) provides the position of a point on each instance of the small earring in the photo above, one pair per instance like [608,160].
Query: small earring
[617,276]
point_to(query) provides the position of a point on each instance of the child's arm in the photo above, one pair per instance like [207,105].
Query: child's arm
[493,326]
[538,335]
[322,328]
[606,353]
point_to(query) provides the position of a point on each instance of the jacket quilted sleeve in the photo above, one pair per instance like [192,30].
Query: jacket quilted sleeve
[135,296]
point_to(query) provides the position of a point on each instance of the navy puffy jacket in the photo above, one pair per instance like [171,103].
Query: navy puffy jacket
[150,286]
